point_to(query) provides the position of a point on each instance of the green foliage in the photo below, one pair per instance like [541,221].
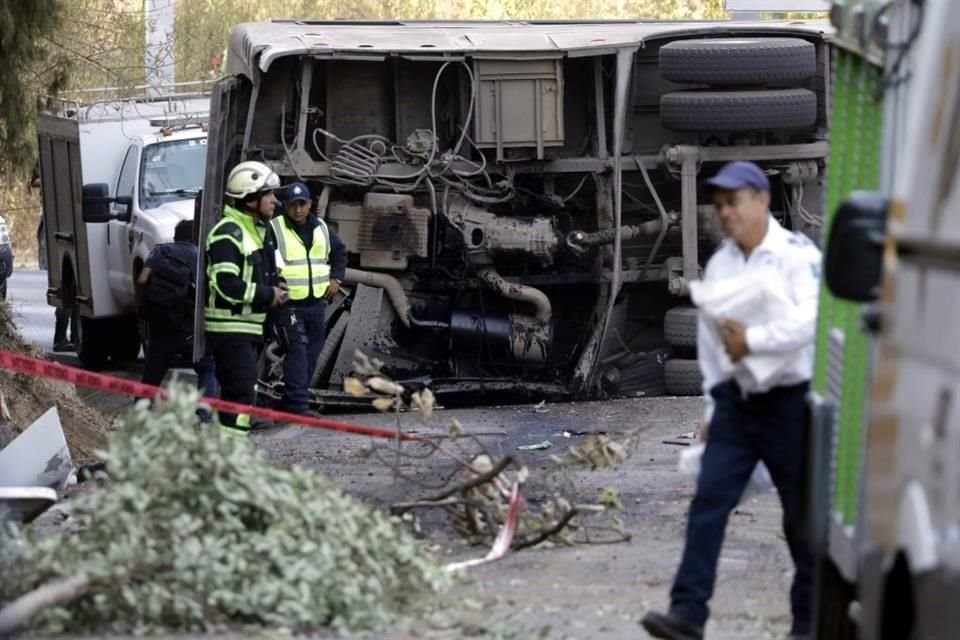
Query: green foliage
[197,531]
[23,26]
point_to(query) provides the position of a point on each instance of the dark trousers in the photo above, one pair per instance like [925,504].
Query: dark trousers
[166,346]
[62,320]
[770,427]
[235,357]
[303,350]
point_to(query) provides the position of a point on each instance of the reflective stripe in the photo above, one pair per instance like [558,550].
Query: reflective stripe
[223,326]
[251,291]
[225,267]
[304,282]
[224,314]
[214,238]
[304,271]
[215,291]
[234,432]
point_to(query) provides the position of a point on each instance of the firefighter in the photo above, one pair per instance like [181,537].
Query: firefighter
[241,285]
[314,263]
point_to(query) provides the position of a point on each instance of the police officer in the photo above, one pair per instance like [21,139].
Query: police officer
[241,285]
[314,264]
[748,425]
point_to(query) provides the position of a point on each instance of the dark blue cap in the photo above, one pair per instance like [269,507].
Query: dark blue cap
[739,175]
[297,192]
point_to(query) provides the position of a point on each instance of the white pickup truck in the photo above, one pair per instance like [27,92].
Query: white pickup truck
[116,177]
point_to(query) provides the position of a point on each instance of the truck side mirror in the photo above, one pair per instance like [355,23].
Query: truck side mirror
[127,202]
[854,260]
[96,203]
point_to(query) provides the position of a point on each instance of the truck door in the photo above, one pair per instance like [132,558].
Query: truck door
[226,113]
[61,184]
[120,237]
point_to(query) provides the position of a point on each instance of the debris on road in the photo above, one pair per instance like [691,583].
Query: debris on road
[599,451]
[32,468]
[23,504]
[38,457]
[197,531]
[539,446]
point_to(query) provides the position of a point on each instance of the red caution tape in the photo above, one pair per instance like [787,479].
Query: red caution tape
[111,384]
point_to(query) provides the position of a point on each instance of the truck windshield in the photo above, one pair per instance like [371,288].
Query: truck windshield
[172,171]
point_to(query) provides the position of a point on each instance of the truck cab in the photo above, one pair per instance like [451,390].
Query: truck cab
[116,177]
[161,174]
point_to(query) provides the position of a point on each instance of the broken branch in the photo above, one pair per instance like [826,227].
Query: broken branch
[18,613]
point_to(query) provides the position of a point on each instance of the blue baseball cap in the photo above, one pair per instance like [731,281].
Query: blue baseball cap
[297,192]
[739,175]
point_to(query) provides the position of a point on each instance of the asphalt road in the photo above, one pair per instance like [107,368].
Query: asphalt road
[27,295]
[580,592]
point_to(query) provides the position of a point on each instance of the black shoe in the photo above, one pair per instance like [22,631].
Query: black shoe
[61,347]
[668,626]
[262,423]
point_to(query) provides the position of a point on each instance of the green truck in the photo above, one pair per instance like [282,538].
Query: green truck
[885,470]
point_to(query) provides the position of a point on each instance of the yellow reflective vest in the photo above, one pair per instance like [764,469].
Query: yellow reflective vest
[302,269]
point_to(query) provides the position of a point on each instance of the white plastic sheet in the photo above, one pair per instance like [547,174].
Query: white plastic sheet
[751,300]
[689,464]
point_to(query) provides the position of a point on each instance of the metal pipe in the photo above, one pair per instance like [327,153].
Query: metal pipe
[519,292]
[688,216]
[664,217]
[578,241]
[398,297]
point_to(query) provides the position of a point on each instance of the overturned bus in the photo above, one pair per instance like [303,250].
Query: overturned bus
[520,200]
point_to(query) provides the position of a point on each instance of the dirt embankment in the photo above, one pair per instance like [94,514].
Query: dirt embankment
[23,399]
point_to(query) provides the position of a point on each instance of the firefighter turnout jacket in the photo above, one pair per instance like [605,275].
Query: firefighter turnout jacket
[240,274]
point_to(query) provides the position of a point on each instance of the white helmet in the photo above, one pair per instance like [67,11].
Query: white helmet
[251,178]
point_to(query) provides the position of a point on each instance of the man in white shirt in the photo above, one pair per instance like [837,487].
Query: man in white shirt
[749,422]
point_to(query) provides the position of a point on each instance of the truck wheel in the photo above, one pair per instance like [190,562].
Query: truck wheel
[124,341]
[726,61]
[680,326]
[682,377]
[738,110]
[91,343]
[832,603]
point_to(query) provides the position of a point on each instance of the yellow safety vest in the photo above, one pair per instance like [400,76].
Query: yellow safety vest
[304,269]
[223,313]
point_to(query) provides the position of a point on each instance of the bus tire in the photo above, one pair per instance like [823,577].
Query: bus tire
[743,61]
[682,377]
[738,110]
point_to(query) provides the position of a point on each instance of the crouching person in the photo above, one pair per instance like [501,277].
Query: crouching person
[167,290]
